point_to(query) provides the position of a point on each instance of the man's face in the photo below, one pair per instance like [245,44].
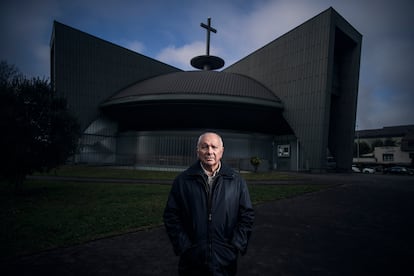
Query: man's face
[210,150]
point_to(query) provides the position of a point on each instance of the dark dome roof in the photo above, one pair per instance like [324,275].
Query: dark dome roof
[197,99]
[197,85]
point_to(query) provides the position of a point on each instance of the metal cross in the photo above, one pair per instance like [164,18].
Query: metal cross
[209,29]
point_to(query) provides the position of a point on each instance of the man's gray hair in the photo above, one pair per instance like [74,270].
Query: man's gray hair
[209,132]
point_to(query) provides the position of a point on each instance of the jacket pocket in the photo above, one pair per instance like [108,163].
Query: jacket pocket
[224,253]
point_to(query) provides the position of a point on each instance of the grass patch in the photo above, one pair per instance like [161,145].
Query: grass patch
[49,214]
[261,176]
[119,173]
[109,172]
[263,193]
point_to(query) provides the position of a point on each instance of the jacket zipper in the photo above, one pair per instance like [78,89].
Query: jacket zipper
[209,191]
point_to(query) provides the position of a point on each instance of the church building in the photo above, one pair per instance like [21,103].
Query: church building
[292,103]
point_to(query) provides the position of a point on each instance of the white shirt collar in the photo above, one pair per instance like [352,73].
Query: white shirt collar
[208,173]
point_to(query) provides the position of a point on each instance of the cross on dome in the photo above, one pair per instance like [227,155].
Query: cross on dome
[209,29]
[207,62]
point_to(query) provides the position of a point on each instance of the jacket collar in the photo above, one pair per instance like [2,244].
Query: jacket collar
[196,169]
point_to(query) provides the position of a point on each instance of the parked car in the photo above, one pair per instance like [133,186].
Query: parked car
[355,169]
[368,170]
[398,170]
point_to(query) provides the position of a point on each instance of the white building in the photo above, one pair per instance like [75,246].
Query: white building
[401,153]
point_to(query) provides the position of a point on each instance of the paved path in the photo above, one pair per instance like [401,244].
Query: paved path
[362,227]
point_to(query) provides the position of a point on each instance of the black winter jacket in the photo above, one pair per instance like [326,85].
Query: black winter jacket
[209,229]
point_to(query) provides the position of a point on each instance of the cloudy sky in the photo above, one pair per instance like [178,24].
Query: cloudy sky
[169,31]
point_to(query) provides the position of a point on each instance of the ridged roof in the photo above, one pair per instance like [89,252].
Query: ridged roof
[198,85]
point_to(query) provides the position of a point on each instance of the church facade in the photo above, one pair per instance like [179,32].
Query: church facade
[292,103]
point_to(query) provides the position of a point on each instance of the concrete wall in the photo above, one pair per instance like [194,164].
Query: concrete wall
[399,157]
[299,68]
[87,70]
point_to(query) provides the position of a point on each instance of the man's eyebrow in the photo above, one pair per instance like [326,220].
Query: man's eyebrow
[210,145]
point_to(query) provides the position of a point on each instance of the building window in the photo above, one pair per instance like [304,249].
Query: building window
[388,157]
[283,150]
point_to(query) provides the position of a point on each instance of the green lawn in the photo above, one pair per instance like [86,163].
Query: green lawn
[109,172]
[118,173]
[48,214]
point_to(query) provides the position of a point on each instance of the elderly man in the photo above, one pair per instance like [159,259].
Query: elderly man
[209,215]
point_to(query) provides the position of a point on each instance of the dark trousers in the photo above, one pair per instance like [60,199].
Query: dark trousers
[205,270]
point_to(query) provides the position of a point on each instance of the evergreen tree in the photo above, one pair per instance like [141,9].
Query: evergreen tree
[377,143]
[39,133]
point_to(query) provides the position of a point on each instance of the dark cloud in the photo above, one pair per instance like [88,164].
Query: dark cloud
[386,93]
[26,28]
